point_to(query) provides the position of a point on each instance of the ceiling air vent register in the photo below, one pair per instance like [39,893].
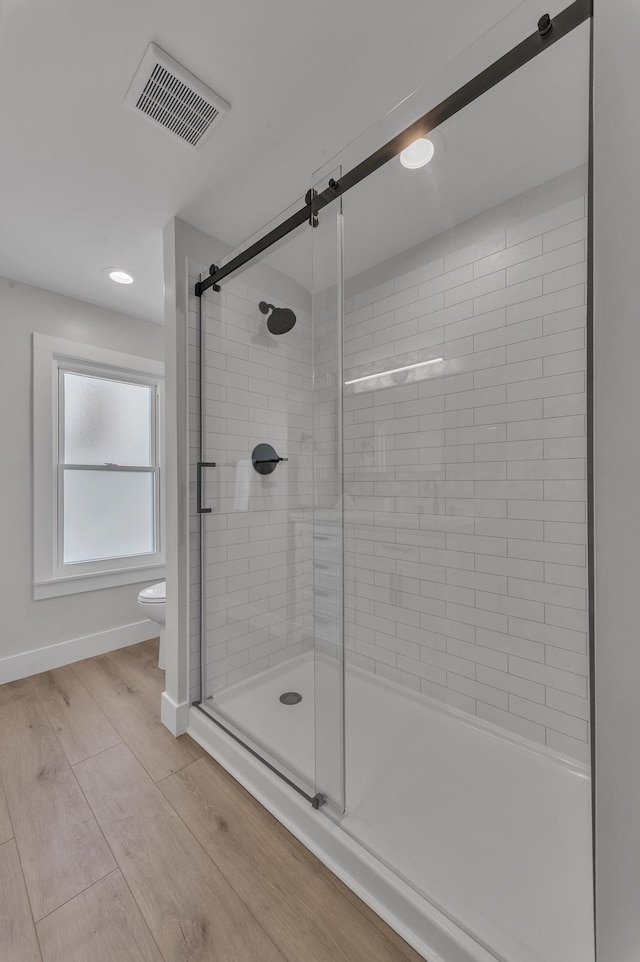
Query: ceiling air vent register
[169,95]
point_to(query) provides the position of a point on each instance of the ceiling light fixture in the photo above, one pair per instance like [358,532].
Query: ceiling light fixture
[417,154]
[118,275]
[395,370]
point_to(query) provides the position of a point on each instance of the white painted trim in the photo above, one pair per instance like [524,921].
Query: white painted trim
[93,582]
[430,932]
[78,350]
[48,354]
[174,716]
[28,663]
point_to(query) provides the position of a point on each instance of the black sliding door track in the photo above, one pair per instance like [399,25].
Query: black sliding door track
[317,800]
[548,32]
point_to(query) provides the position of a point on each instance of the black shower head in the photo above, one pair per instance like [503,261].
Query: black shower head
[280,320]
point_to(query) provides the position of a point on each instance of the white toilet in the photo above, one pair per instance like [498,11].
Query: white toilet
[152,602]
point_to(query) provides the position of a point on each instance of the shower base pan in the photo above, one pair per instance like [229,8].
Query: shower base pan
[473,844]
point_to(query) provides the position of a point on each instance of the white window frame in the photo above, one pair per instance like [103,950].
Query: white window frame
[52,357]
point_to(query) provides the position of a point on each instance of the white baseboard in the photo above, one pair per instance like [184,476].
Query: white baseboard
[55,656]
[174,716]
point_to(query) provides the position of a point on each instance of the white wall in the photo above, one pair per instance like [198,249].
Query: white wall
[465,491]
[27,624]
[616,472]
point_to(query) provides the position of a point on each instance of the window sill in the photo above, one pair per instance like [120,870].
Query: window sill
[96,581]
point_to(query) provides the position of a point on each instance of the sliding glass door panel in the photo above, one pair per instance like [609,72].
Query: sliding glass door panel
[257,555]
[328,514]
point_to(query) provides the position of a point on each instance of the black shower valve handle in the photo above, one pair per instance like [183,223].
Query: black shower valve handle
[265,459]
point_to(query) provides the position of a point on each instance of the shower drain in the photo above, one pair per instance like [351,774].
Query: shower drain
[290,697]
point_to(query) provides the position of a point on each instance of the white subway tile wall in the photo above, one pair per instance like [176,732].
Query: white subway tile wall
[464,482]
[259,543]
[465,490]
[328,529]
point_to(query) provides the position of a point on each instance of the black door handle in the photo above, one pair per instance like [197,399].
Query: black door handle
[201,465]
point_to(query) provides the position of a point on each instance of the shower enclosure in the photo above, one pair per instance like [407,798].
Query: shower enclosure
[389,538]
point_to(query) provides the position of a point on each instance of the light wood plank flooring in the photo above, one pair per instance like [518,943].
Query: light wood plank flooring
[6,828]
[119,843]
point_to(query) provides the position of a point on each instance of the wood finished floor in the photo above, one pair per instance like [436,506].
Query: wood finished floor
[120,843]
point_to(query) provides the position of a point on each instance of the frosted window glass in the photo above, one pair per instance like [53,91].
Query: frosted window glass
[106,422]
[107,514]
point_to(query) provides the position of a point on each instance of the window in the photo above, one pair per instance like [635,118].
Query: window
[97,468]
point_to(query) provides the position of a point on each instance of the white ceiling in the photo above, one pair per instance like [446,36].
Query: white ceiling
[86,183]
[520,134]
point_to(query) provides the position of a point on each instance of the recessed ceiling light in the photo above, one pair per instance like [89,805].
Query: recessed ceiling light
[417,154]
[118,275]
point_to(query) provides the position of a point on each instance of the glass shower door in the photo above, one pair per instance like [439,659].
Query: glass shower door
[328,520]
[264,512]
[395,595]
[465,524]
[256,570]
